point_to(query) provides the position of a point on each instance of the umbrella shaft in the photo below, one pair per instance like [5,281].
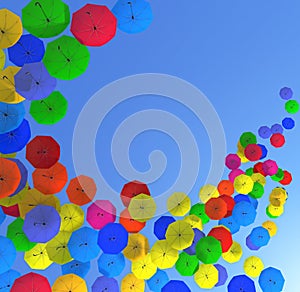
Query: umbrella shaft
[43,11]
[5,77]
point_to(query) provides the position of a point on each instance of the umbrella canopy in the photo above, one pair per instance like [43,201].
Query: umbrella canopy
[278,197]
[45,18]
[247,138]
[208,250]
[93,25]
[231,224]
[243,184]
[223,276]
[232,161]
[2,216]
[292,106]
[72,217]
[271,280]
[253,152]
[144,269]
[258,177]
[259,236]
[234,254]
[75,267]
[142,207]
[274,212]
[253,266]
[66,58]
[235,173]
[287,123]
[137,247]
[11,211]
[69,283]
[225,187]
[191,250]
[28,49]
[130,283]
[8,254]
[223,235]
[270,167]
[241,283]
[179,204]
[49,110]
[31,282]
[133,16]
[250,245]
[15,199]
[244,213]
[286,93]
[207,192]
[133,189]
[194,221]
[230,203]
[271,227]
[111,265]
[105,284]
[7,279]
[264,151]
[277,140]
[42,152]
[187,265]
[11,116]
[2,59]
[131,225]
[37,258]
[287,178]
[199,210]
[158,280]
[175,285]
[207,276]
[161,225]
[257,191]
[83,244]
[216,208]
[264,132]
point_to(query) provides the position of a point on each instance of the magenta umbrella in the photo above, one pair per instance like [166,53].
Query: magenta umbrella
[233,161]
[234,173]
[270,167]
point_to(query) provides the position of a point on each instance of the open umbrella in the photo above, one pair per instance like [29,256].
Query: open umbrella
[179,204]
[11,116]
[223,235]
[277,140]
[264,132]
[72,217]
[207,276]
[105,284]
[244,213]
[216,208]
[31,282]
[231,224]
[225,187]
[132,189]
[161,226]
[287,178]
[7,279]
[230,203]
[66,58]
[191,250]
[158,280]
[45,18]
[257,191]
[208,250]
[273,211]
[234,253]
[223,276]
[270,167]
[207,192]
[176,285]
[194,221]
[2,59]
[144,269]
[11,210]
[2,216]
[253,152]
[271,280]
[137,247]
[243,184]
[8,254]
[259,236]
[292,106]
[241,283]
[69,283]
[271,227]
[130,283]
[250,245]
[258,177]
[37,258]
[286,93]
[187,265]
[253,266]
[131,225]
[287,123]
[278,197]
[278,176]
[232,161]
[111,265]
[75,267]
[247,138]
[235,173]
[142,207]
[199,210]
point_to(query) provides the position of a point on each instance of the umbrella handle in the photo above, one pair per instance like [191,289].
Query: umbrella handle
[130,4]
[39,5]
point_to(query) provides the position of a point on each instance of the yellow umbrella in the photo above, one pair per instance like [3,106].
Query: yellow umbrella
[10,201]
[137,247]
[142,207]
[37,258]
[72,217]
[163,255]
[243,184]
[10,28]
[194,221]
[207,192]
[242,156]
[144,269]
[234,254]
[240,147]
[9,155]
[278,197]
[57,248]
[2,59]
[253,266]
[271,227]
[179,204]
[258,177]
[275,211]
[180,235]
[69,283]
[8,92]
[207,276]
[131,283]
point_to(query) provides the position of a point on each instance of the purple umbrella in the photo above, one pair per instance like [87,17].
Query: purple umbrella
[24,175]
[277,128]
[286,93]
[41,224]
[264,132]
[223,276]
[233,161]
[34,82]
[191,250]
[250,245]
[105,284]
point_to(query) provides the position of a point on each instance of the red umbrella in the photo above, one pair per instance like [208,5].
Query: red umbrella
[216,208]
[287,178]
[253,152]
[31,282]
[230,202]
[93,25]
[277,140]
[131,225]
[12,210]
[133,189]
[258,168]
[42,152]
[225,187]
[223,235]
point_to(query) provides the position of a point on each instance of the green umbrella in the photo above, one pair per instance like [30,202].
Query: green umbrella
[278,176]
[66,58]
[249,171]
[199,210]
[257,191]
[292,106]
[17,236]
[208,250]
[49,110]
[45,18]
[247,138]
[187,265]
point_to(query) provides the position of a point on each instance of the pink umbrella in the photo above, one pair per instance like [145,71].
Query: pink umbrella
[100,213]
[233,161]
[234,173]
[270,167]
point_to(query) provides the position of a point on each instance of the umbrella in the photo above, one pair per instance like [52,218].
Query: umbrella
[161,226]
[93,25]
[292,106]
[199,210]
[144,269]
[288,123]
[286,93]
[8,254]
[208,250]
[264,132]
[243,184]
[253,266]
[133,16]
[230,203]
[207,192]
[207,276]
[51,180]
[142,207]
[72,217]
[287,178]
[180,235]
[253,152]
[274,212]
[2,216]
[234,253]
[257,191]
[223,235]
[75,267]
[18,237]
[278,197]
[49,110]
[187,265]
[235,173]
[223,276]
[130,283]
[46,18]
[131,225]
[271,227]
[11,116]
[2,59]
[191,250]
[246,198]
[247,138]
[105,284]
[259,236]
[244,213]
[10,177]
[66,58]
[83,244]
[258,177]
[7,279]
[100,213]
[24,176]
[42,152]
[28,49]
[158,280]
[231,224]
[176,285]
[133,189]
[69,282]
[11,155]
[225,187]
[250,245]
[111,265]
[232,161]
[264,151]
[194,221]
[16,140]
[81,190]
[37,258]
[179,204]
[31,282]
[11,211]
[163,255]
[277,140]
[137,247]
[10,28]
[270,167]
[216,208]
[276,128]
[241,283]
[34,82]
[271,280]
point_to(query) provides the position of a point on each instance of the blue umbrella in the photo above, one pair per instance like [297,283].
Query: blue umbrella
[2,216]
[286,93]
[264,151]
[244,213]
[191,250]
[250,244]
[259,236]
[113,238]
[41,224]
[8,254]
[24,175]
[133,16]
[271,280]
[276,128]
[241,283]
[264,132]
[28,49]
[111,265]
[7,279]
[15,140]
[223,276]
[175,286]
[161,226]
[231,224]
[83,244]
[34,82]
[288,123]
[103,284]
[75,267]
[11,116]
[158,280]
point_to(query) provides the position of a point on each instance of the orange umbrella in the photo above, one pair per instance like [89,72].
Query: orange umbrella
[216,208]
[51,180]
[81,190]
[225,187]
[10,177]
[131,225]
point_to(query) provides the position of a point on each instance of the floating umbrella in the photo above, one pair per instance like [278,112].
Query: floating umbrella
[176,285]
[133,189]
[199,210]
[270,167]
[278,197]
[31,282]
[264,151]
[230,203]
[37,258]
[137,247]
[161,225]
[246,198]
[243,184]
[75,267]
[250,245]
[11,211]
[105,284]
[287,178]
[286,93]
[253,152]
[264,132]
[258,177]
[15,198]
[130,283]
[271,227]
[191,250]
[232,161]
[253,266]
[144,269]
[7,279]
[241,283]
[111,265]
[11,155]
[11,116]
[244,213]
[277,140]
[257,191]
[292,106]
[234,253]
[2,216]
[28,49]
[208,250]
[66,58]
[8,254]
[223,276]
[24,176]
[187,265]
[158,280]
[179,204]
[223,235]
[45,18]
[288,123]
[276,128]
[207,276]
[259,236]
[231,224]
[274,212]
[225,187]
[131,225]
[194,221]
[133,16]
[72,217]
[69,282]
[93,25]
[235,173]
[142,207]
[207,192]
[271,280]
[247,138]
[2,59]
[216,208]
